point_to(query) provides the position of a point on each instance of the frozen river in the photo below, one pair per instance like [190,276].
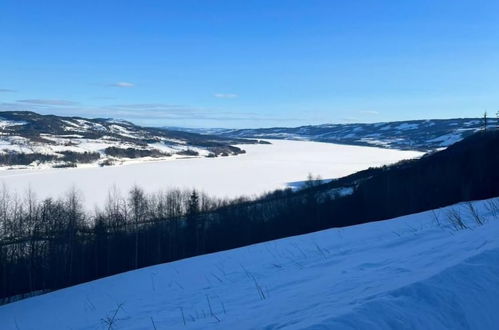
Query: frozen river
[262,168]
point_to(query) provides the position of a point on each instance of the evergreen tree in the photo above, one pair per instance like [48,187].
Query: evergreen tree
[192,226]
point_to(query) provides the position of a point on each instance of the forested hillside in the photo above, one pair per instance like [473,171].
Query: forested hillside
[422,135]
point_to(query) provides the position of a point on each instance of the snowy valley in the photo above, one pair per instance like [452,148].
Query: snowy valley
[249,165]
[191,205]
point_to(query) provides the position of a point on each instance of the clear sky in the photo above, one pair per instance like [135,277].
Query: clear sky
[250,63]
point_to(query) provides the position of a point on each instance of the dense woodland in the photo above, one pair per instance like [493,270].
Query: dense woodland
[50,244]
[21,158]
[134,152]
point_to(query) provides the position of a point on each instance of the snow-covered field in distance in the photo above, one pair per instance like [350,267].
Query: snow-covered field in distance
[413,272]
[263,168]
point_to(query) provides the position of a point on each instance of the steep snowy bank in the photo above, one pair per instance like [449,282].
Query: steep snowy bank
[413,272]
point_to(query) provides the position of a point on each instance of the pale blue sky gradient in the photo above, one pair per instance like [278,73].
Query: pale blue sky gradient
[250,63]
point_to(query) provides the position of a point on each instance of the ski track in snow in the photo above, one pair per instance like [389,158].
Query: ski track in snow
[263,168]
[411,272]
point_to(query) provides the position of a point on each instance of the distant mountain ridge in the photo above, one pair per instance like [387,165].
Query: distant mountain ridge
[423,135]
[30,139]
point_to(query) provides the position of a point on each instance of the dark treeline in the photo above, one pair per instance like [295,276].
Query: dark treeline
[134,152]
[21,158]
[50,244]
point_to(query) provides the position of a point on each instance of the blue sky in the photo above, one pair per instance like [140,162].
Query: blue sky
[250,63]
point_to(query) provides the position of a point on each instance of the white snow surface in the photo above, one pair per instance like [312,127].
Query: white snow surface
[412,272]
[406,126]
[263,168]
[6,123]
[447,139]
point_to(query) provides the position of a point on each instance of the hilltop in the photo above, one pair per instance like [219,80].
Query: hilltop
[31,139]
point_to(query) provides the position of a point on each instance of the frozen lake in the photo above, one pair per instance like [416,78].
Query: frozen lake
[263,168]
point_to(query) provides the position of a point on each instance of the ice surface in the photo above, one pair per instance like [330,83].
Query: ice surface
[263,168]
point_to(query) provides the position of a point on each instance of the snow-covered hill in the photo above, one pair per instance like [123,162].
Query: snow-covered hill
[31,139]
[422,135]
[421,271]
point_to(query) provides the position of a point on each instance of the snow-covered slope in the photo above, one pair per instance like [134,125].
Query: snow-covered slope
[33,140]
[423,135]
[419,271]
